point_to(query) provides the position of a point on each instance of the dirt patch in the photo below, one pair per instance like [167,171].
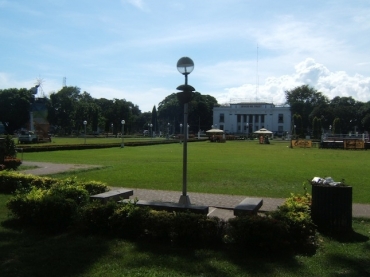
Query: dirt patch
[52,168]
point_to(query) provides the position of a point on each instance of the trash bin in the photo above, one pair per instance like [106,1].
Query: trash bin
[331,208]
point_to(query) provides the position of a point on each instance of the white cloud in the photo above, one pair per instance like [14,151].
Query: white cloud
[138,4]
[331,84]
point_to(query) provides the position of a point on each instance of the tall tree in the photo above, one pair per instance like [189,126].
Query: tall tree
[200,112]
[303,100]
[15,106]
[347,110]
[63,109]
[154,120]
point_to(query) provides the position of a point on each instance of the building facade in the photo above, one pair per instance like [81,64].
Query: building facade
[245,118]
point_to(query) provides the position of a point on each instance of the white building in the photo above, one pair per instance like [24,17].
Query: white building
[247,117]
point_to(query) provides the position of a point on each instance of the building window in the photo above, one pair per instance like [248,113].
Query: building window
[221,127]
[256,118]
[238,118]
[262,118]
[222,117]
[281,118]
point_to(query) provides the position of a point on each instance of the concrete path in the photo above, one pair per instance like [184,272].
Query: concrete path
[221,205]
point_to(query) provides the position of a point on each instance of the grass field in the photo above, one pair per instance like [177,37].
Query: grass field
[238,167]
[235,167]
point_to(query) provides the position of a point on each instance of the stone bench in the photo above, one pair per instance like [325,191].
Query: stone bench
[170,206]
[248,206]
[114,195]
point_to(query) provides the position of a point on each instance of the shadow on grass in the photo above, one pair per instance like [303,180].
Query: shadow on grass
[26,252]
[218,262]
[359,266]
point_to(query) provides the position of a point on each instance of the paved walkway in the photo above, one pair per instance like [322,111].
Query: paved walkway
[221,205]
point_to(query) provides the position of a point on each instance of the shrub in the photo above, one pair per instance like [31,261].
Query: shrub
[12,163]
[94,217]
[11,181]
[54,208]
[158,225]
[257,233]
[70,189]
[9,147]
[94,187]
[296,213]
[128,221]
[190,229]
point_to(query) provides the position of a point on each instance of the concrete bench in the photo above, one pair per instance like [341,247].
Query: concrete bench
[114,195]
[248,206]
[170,206]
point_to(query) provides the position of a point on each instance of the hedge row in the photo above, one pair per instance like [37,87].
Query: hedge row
[11,181]
[50,147]
[57,205]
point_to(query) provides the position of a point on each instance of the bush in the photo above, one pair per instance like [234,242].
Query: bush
[158,225]
[94,187]
[189,229]
[12,163]
[11,181]
[94,218]
[258,233]
[9,147]
[296,213]
[128,221]
[54,208]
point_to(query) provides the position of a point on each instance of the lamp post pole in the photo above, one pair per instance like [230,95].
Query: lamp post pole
[181,132]
[330,129]
[85,123]
[151,131]
[185,66]
[168,130]
[247,130]
[123,129]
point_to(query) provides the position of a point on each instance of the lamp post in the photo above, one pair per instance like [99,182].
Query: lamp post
[168,130]
[85,123]
[247,125]
[180,132]
[185,66]
[151,130]
[330,129]
[123,129]
[112,128]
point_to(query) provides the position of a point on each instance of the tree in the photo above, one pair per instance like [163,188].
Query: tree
[63,109]
[200,111]
[297,125]
[15,106]
[154,120]
[303,100]
[336,126]
[316,128]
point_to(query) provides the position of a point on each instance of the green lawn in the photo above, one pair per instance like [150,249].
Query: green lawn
[235,167]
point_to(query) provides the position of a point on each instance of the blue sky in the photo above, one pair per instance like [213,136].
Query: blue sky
[243,50]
